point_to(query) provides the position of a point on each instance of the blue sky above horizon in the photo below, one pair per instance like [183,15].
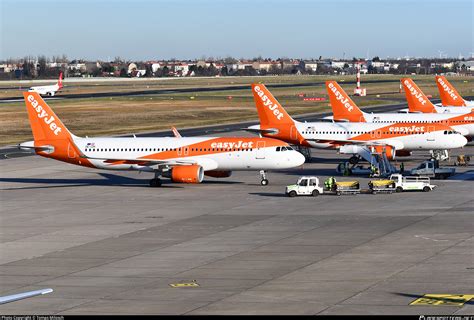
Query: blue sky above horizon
[184,29]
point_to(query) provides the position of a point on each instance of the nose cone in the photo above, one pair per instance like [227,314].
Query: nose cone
[460,141]
[297,159]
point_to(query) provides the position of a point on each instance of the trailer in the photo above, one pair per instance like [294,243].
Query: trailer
[347,187]
[382,186]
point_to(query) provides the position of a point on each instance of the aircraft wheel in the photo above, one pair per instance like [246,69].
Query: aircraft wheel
[155,183]
[264,182]
[354,160]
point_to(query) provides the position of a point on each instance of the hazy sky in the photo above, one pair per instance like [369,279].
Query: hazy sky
[185,29]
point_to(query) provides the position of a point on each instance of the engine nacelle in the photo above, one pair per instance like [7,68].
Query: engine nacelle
[389,151]
[218,173]
[186,174]
[403,153]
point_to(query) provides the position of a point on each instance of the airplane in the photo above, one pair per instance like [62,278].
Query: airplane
[24,295]
[344,109]
[49,90]
[184,160]
[419,102]
[358,139]
[449,95]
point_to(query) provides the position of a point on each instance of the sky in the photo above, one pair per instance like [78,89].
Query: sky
[186,29]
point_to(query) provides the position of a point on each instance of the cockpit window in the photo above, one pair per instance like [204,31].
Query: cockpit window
[278,149]
[289,148]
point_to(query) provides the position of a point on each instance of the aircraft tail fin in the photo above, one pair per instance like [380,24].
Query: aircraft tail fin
[60,80]
[343,108]
[416,99]
[45,124]
[448,94]
[270,111]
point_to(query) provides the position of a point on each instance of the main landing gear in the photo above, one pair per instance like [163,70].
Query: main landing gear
[156,181]
[263,177]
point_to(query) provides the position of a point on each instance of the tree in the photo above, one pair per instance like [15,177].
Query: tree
[376,58]
[41,66]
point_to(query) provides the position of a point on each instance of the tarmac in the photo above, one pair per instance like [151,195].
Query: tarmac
[109,244]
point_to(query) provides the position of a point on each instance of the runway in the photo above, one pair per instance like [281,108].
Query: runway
[108,244]
[180,90]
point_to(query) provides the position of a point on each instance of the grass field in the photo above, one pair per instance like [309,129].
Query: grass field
[119,115]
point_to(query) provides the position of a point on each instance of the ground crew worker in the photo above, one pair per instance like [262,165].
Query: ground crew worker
[402,168]
[372,170]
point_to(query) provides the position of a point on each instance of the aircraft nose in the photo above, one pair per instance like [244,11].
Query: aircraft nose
[460,142]
[298,159]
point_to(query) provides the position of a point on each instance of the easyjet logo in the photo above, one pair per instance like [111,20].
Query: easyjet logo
[407,129]
[232,145]
[42,114]
[414,92]
[469,118]
[447,89]
[339,96]
[267,102]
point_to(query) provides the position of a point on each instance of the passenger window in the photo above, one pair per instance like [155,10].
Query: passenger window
[303,183]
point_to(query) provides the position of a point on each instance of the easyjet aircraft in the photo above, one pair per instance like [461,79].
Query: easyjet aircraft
[184,160]
[449,95]
[344,109]
[348,137]
[49,90]
[419,102]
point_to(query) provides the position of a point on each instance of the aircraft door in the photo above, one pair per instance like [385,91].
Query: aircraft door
[293,133]
[260,150]
[71,152]
[430,137]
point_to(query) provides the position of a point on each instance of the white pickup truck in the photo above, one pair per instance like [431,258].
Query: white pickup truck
[411,183]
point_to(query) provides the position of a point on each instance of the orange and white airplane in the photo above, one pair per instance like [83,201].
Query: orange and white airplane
[344,109]
[419,102]
[184,160]
[349,137]
[49,90]
[449,95]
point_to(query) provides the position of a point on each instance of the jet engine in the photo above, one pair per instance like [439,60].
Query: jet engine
[186,174]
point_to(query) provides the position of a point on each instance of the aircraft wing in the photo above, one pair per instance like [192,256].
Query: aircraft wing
[24,295]
[394,143]
[261,131]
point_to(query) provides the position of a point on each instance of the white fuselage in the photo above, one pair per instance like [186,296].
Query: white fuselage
[199,150]
[460,123]
[425,139]
[45,90]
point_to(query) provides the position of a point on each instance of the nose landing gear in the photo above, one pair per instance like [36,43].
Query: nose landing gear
[263,178]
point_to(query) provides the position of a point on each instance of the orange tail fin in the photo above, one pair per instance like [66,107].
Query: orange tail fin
[417,100]
[448,94]
[46,126]
[343,108]
[270,111]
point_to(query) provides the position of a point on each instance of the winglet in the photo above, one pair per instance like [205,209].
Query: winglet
[343,108]
[448,94]
[416,99]
[176,132]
